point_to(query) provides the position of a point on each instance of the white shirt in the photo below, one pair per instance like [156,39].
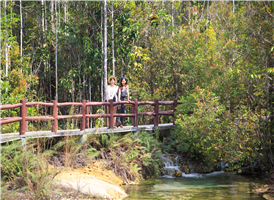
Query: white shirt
[112,92]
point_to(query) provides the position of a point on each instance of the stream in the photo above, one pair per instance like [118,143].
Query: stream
[216,185]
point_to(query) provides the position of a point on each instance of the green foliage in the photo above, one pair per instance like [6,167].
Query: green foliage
[100,122]
[211,131]
[27,169]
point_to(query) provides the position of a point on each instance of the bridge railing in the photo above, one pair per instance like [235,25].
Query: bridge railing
[85,104]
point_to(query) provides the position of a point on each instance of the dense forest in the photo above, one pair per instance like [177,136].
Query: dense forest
[217,58]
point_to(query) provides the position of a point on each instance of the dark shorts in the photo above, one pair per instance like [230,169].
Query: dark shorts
[114,100]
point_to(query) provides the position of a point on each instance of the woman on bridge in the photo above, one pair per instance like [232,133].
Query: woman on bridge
[112,93]
[122,93]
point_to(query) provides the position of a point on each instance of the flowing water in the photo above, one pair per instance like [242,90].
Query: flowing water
[215,185]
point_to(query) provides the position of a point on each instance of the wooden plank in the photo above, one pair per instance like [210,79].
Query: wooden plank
[169,112]
[123,115]
[69,104]
[147,113]
[35,104]
[97,103]
[39,118]
[10,106]
[69,116]
[146,103]
[63,133]
[7,120]
[165,102]
[98,115]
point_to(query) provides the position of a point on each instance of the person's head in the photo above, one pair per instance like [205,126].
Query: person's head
[112,80]
[123,82]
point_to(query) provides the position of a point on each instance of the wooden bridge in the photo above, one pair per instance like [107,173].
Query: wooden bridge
[84,116]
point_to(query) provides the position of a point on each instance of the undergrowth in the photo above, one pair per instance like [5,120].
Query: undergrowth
[26,167]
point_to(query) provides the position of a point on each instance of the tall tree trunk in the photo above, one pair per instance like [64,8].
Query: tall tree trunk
[45,15]
[21,34]
[247,10]
[172,17]
[105,48]
[56,50]
[65,10]
[113,53]
[6,44]
[207,14]
[51,15]
[102,50]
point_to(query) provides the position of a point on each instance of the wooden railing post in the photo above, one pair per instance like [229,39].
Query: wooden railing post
[83,112]
[27,123]
[136,113]
[133,112]
[174,109]
[107,112]
[54,114]
[111,113]
[87,112]
[156,110]
[23,115]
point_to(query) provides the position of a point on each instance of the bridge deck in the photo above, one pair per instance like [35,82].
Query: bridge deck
[62,133]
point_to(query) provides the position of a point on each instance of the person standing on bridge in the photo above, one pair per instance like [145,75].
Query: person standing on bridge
[112,93]
[122,93]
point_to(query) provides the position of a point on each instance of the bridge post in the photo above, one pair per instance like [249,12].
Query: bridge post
[156,110]
[87,112]
[136,113]
[133,112]
[107,112]
[83,112]
[23,115]
[111,114]
[54,114]
[174,109]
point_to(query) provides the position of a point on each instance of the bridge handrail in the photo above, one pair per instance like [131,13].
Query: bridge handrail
[10,106]
[85,104]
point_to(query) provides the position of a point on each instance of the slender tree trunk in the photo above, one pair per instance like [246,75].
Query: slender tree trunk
[21,35]
[247,10]
[65,10]
[172,17]
[51,15]
[43,17]
[102,39]
[56,50]
[113,53]
[207,14]
[105,48]
[6,44]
